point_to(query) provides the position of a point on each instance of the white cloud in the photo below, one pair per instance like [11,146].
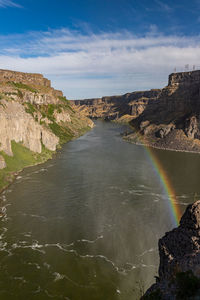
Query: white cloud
[99,64]
[164,6]
[9,3]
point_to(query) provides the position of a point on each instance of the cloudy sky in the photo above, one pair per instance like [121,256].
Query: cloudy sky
[93,48]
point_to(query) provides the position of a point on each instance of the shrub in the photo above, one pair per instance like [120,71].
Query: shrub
[23,86]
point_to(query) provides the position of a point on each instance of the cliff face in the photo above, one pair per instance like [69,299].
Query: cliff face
[173,120]
[179,270]
[167,118]
[116,107]
[35,116]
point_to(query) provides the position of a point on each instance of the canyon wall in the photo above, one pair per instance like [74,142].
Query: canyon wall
[179,270]
[168,118]
[35,116]
[26,78]
[115,107]
[173,120]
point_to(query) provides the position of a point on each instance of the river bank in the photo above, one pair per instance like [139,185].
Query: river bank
[24,158]
[36,120]
[80,209]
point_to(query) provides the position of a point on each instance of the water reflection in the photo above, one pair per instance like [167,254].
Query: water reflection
[85,225]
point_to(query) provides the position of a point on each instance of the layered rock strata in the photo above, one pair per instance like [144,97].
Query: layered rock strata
[167,118]
[173,120]
[34,114]
[115,107]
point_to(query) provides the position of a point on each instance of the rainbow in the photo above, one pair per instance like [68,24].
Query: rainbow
[167,185]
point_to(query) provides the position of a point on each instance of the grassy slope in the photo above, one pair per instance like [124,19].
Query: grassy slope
[23,157]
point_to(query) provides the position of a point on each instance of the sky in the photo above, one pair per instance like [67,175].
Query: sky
[95,48]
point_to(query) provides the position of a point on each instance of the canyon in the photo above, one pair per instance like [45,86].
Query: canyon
[168,118]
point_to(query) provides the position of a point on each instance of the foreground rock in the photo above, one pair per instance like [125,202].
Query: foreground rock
[179,270]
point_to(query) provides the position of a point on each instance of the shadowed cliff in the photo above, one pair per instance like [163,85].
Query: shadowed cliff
[179,270]
[167,118]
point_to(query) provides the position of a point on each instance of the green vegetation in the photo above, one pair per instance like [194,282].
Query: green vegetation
[20,94]
[4,97]
[65,102]
[188,285]
[22,157]
[51,109]
[30,108]
[23,86]
[64,133]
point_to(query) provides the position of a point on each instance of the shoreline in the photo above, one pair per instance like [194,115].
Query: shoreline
[160,148]
[14,174]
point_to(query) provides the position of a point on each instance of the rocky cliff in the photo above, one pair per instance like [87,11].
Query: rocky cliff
[34,116]
[172,121]
[179,270]
[126,106]
[167,118]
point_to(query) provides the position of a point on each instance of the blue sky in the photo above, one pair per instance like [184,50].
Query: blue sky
[93,48]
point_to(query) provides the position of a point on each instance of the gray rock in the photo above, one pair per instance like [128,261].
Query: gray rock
[179,252]
[2,162]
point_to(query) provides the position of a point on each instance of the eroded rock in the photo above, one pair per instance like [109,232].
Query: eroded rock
[192,129]
[179,252]
[2,162]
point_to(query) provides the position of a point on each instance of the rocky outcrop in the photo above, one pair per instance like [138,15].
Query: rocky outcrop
[172,121]
[115,107]
[34,120]
[62,116]
[166,119]
[26,78]
[19,126]
[179,252]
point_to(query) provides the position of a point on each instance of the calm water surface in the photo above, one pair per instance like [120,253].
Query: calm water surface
[85,225]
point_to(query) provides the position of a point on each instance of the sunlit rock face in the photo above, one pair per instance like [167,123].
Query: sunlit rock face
[114,107]
[179,252]
[19,126]
[168,118]
[26,78]
[31,112]
[173,120]
[2,162]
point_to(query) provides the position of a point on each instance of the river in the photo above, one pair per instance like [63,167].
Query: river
[85,225]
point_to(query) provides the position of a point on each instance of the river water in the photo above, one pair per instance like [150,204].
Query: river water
[85,225]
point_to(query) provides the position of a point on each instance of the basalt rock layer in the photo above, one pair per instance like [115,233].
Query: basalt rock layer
[179,270]
[167,118]
[172,121]
[34,115]
[127,106]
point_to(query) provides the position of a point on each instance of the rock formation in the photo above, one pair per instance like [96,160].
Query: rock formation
[115,107]
[35,115]
[26,78]
[167,118]
[179,250]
